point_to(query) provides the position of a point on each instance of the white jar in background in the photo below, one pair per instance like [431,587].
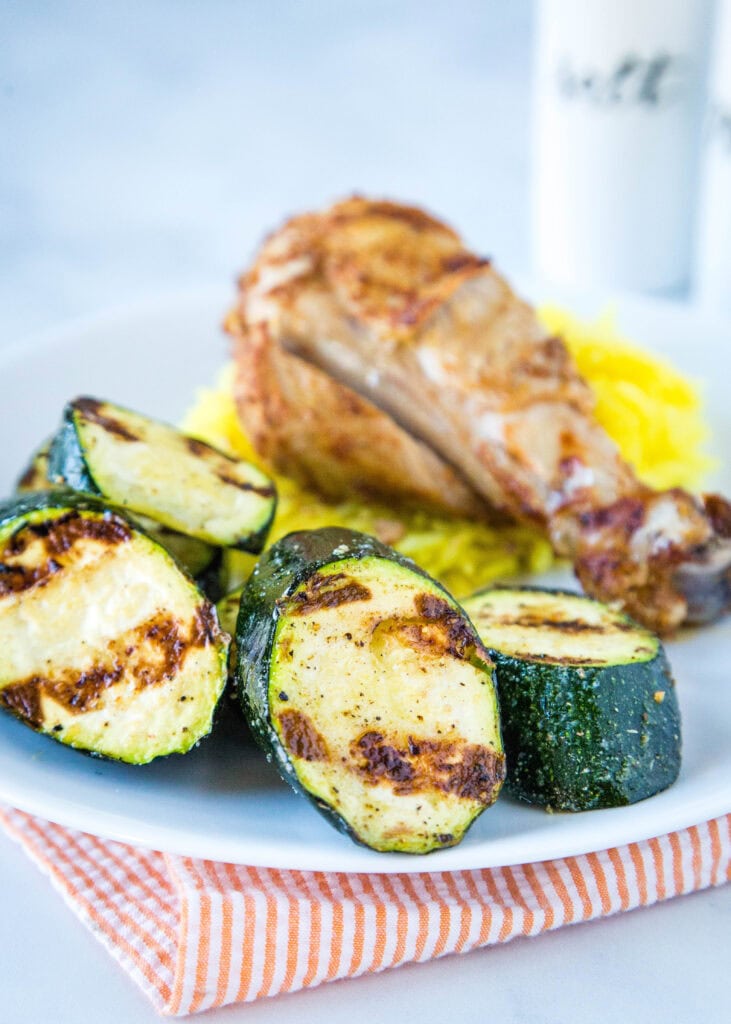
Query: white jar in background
[713,277]
[618,106]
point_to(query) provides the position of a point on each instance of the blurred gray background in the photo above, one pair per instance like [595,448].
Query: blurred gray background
[146,146]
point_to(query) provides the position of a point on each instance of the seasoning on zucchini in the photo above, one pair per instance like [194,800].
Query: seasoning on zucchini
[105,644]
[152,469]
[367,685]
[588,707]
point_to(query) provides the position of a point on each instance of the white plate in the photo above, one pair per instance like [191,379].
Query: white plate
[222,801]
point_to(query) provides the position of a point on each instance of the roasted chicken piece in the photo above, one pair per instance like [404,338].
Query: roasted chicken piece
[387,302]
[328,437]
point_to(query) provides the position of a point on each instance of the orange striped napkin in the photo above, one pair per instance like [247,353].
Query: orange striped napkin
[195,934]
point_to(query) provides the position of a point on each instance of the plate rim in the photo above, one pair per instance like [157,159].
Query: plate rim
[502,852]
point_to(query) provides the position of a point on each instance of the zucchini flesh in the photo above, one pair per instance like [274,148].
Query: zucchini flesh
[367,685]
[152,469]
[105,645]
[228,610]
[200,560]
[588,705]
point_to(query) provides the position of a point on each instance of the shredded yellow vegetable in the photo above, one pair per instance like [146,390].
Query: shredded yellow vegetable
[652,412]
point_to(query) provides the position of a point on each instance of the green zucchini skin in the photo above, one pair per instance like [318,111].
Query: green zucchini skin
[66,463]
[280,571]
[149,655]
[578,744]
[27,502]
[71,464]
[583,737]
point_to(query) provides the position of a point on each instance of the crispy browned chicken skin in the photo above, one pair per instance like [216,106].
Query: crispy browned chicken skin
[450,379]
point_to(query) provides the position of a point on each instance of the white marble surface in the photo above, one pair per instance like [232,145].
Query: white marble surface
[145,147]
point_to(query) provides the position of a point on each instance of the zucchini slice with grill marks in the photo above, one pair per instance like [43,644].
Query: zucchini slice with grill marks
[367,685]
[588,706]
[202,561]
[153,469]
[105,643]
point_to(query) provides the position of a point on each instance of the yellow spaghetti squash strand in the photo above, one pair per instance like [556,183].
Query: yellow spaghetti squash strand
[651,411]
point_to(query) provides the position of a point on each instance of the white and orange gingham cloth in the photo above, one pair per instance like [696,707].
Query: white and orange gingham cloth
[195,934]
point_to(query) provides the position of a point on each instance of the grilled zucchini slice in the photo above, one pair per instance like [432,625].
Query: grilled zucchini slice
[367,685]
[588,706]
[202,561]
[152,469]
[105,644]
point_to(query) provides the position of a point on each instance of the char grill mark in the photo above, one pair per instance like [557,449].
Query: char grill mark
[148,655]
[93,410]
[301,737]
[243,485]
[202,450]
[328,591]
[58,537]
[468,771]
